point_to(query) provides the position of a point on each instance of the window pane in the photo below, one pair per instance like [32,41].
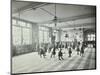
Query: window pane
[13,22]
[89,39]
[43,28]
[29,25]
[40,36]
[46,37]
[92,35]
[21,23]
[89,36]
[27,36]
[16,33]
[94,39]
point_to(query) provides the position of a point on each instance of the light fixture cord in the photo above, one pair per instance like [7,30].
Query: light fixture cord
[55,15]
[55,9]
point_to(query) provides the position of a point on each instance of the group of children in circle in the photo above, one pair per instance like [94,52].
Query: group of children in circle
[59,51]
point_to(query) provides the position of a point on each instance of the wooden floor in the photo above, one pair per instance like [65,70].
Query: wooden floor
[32,62]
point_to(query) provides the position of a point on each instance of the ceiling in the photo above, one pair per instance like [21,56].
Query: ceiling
[43,13]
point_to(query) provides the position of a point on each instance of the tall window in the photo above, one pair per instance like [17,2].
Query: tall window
[21,23]
[43,35]
[16,33]
[46,36]
[91,37]
[14,22]
[27,37]
[21,32]
[40,36]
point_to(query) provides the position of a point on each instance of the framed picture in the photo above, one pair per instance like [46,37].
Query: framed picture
[52,37]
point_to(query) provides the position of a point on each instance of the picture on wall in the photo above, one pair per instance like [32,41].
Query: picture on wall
[52,37]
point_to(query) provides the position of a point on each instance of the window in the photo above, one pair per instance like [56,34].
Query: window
[46,37]
[29,25]
[13,22]
[43,35]
[43,28]
[21,34]
[27,38]
[91,37]
[40,36]
[16,33]
[21,23]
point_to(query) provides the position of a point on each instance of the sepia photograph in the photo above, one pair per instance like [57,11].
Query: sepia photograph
[52,37]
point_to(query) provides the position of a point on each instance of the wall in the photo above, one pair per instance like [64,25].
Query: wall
[35,36]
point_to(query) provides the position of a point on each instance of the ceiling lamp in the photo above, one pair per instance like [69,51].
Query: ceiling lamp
[55,21]
[66,35]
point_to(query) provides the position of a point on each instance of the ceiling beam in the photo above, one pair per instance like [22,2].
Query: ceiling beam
[31,6]
[73,18]
[47,12]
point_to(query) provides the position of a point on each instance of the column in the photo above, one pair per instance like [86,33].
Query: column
[35,36]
